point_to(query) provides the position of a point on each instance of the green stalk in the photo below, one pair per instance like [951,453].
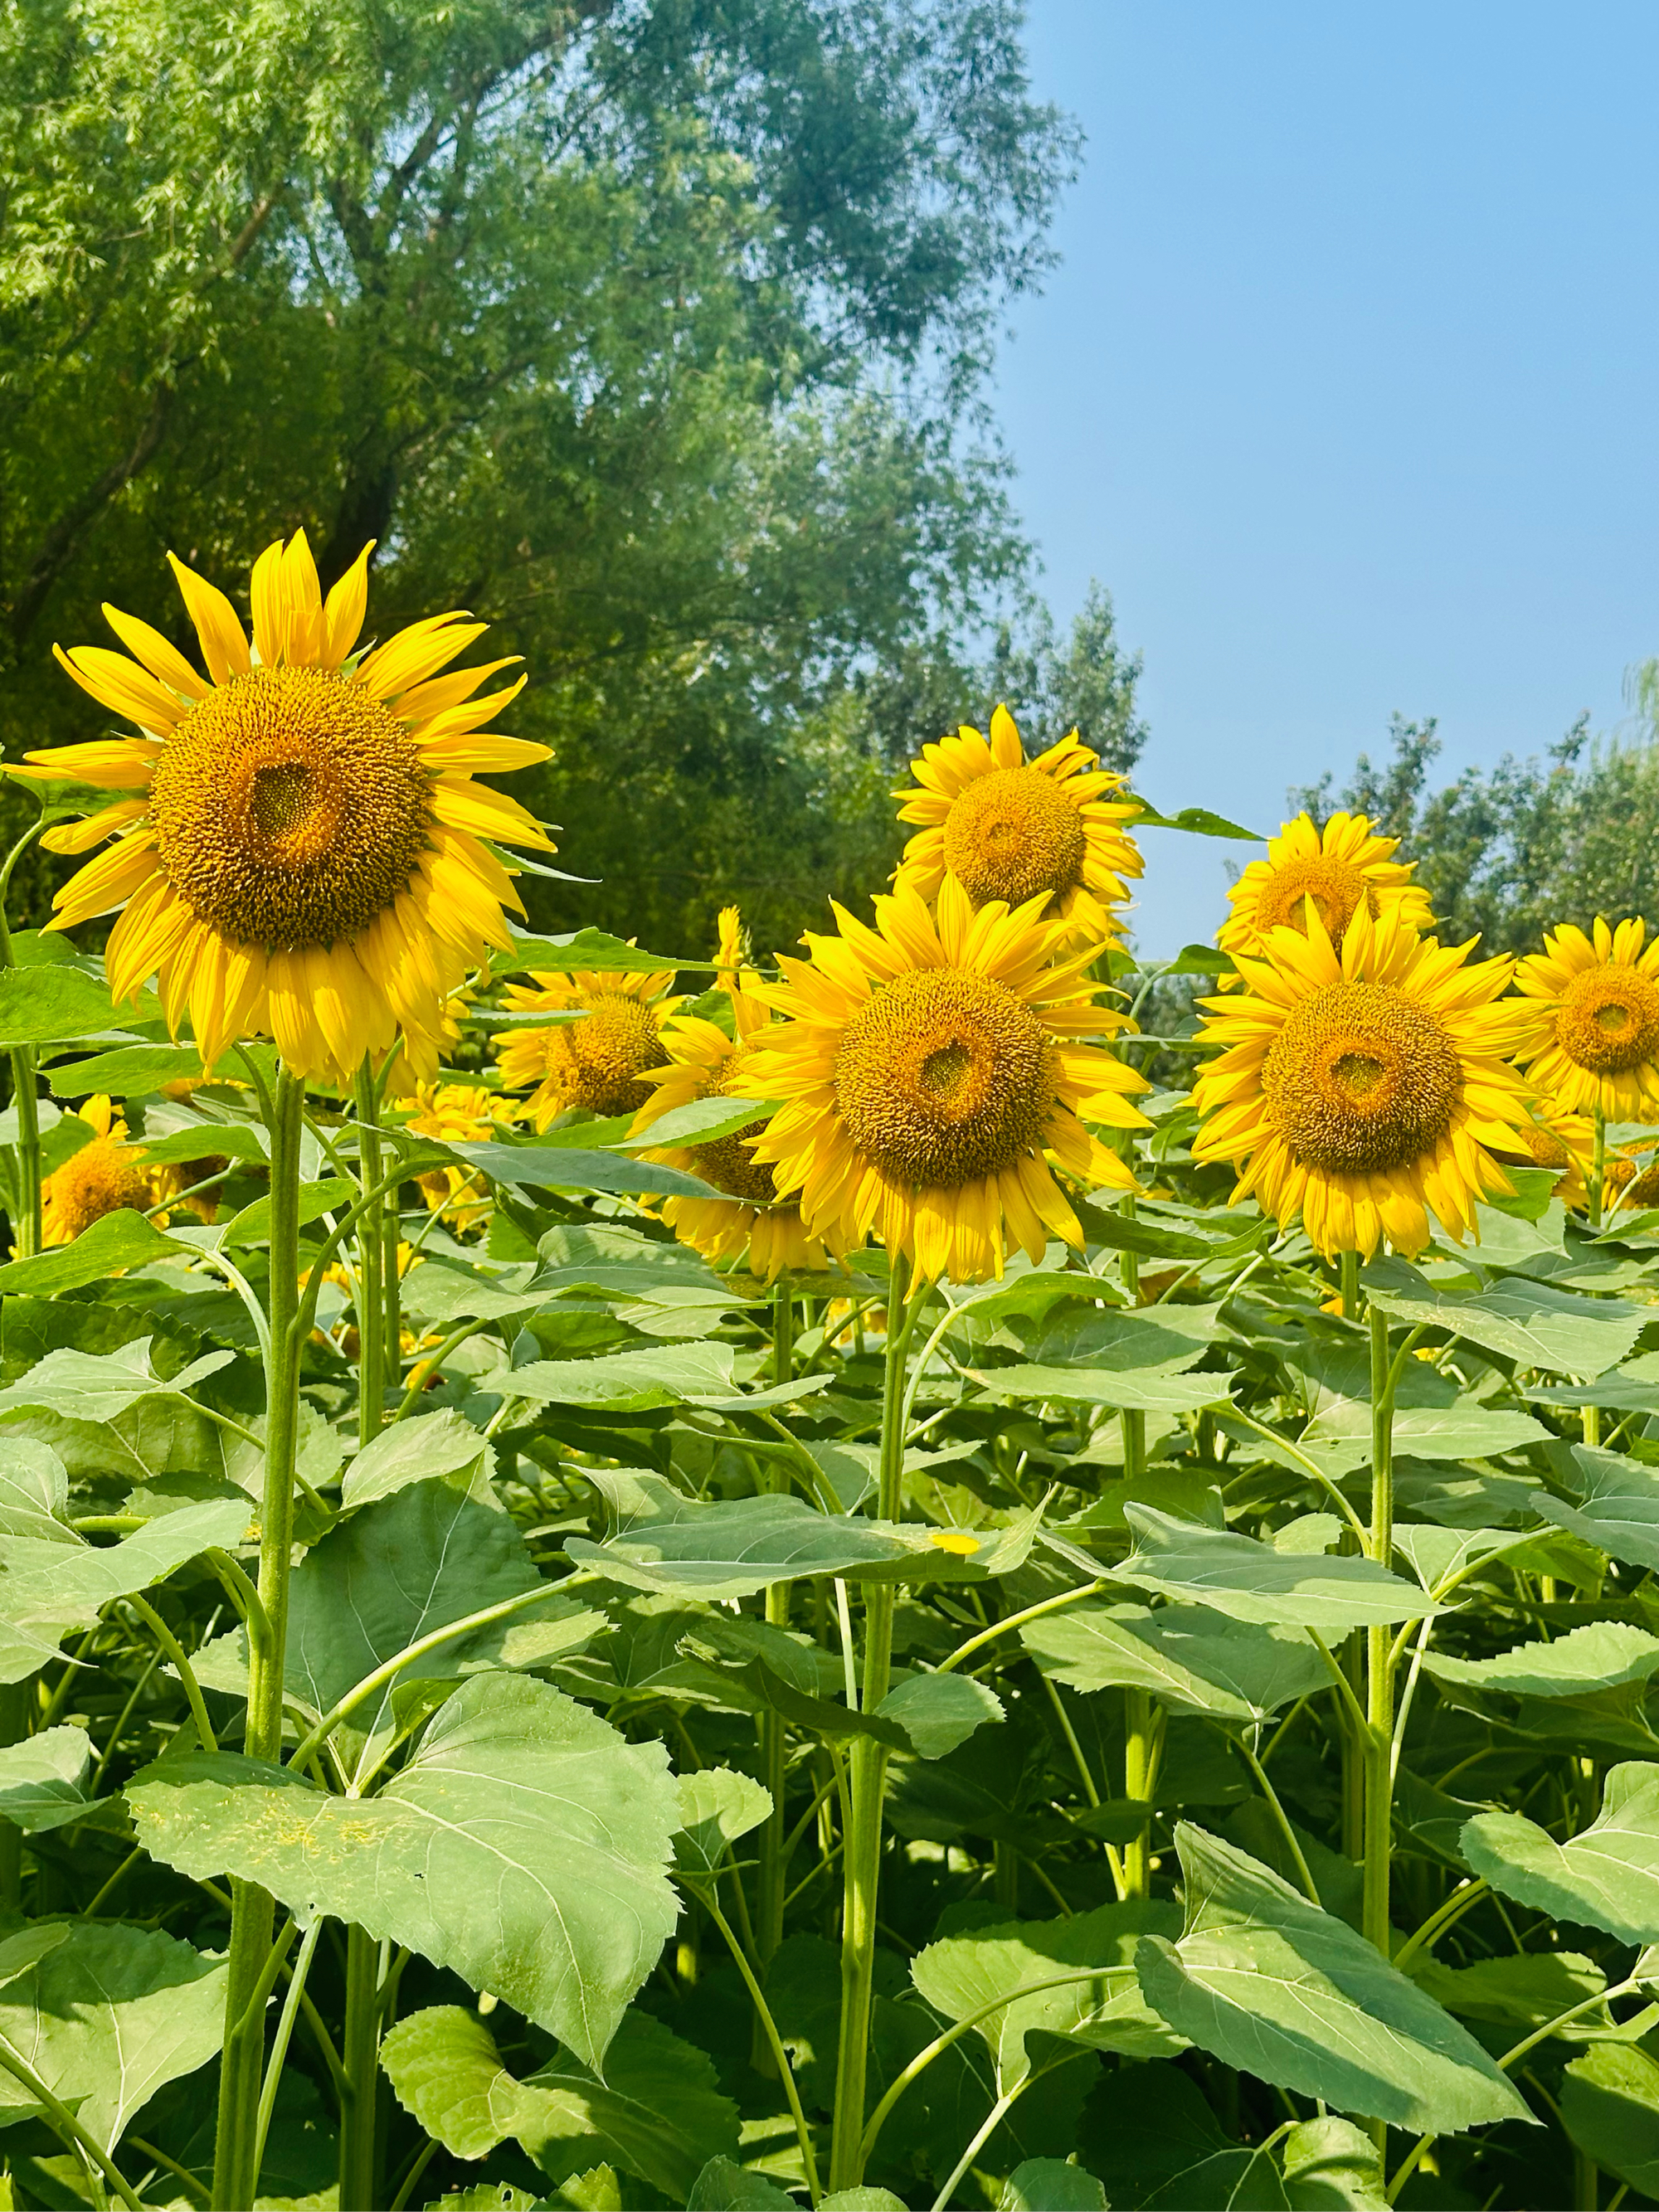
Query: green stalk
[26,1230]
[1143,1736]
[867,1773]
[377,1357]
[236,2149]
[768,1923]
[1598,1170]
[1353,1761]
[360,2062]
[1379,1649]
[13,1727]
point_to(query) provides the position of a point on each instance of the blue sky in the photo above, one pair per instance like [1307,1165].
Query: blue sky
[1345,385]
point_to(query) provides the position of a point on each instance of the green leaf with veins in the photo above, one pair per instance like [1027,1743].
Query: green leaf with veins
[97,1387]
[1249,1580]
[43,1779]
[1186,1655]
[1607,1877]
[1263,1980]
[1527,1321]
[1599,1655]
[960,1975]
[525,1847]
[1616,1509]
[1610,2107]
[112,1245]
[658,2114]
[110,2013]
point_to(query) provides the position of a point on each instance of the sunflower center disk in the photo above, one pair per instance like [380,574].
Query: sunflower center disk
[728,1164]
[1336,889]
[598,1061]
[289,808]
[945,1077]
[1608,1020]
[1013,834]
[1362,1080]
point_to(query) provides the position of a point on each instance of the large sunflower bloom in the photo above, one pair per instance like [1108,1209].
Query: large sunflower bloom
[106,1175]
[1010,829]
[930,1067]
[1363,1085]
[750,1225]
[596,1061]
[300,847]
[1590,1036]
[1341,868]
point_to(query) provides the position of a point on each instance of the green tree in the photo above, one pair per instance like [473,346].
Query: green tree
[650,332]
[1508,853]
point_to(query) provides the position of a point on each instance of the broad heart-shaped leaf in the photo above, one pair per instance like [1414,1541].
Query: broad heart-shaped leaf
[392,1572]
[46,1587]
[1250,1581]
[1192,1658]
[33,1491]
[1610,2107]
[525,1846]
[1049,2185]
[961,1974]
[1431,1432]
[1520,1319]
[1156,1340]
[87,1386]
[1148,1392]
[717,1805]
[117,1243]
[1598,1656]
[658,2114]
[1617,1508]
[939,1711]
[1266,1982]
[56,1004]
[424,1448]
[560,1167]
[110,2013]
[43,1779]
[1606,1876]
[627,1381]
[665,1541]
[1330,2165]
[126,1071]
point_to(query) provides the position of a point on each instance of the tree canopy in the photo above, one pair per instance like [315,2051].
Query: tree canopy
[1508,853]
[652,333]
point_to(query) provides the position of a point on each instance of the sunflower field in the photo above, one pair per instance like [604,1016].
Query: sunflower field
[735,1578]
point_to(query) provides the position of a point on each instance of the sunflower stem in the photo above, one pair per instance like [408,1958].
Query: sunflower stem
[867,1770]
[371,1256]
[25,1234]
[236,2144]
[1379,1649]
[1143,1736]
[1598,1169]
[768,1925]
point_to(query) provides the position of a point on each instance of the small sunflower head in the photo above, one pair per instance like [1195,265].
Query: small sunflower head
[1590,1032]
[1343,870]
[596,1061]
[106,1176]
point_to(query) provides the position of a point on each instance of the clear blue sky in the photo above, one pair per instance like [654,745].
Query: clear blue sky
[1346,384]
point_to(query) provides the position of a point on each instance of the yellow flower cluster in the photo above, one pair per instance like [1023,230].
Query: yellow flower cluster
[1371,1081]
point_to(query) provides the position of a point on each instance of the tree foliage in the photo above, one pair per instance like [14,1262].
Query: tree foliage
[651,333]
[1510,851]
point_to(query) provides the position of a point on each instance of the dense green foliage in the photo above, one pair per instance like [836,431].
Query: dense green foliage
[572,1649]
[654,335]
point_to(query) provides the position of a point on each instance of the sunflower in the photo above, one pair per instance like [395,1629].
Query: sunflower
[300,848]
[1360,1085]
[1589,1038]
[750,1227]
[1564,1142]
[457,1113]
[929,1068]
[596,1061]
[106,1175]
[1341,868]
[1011,829]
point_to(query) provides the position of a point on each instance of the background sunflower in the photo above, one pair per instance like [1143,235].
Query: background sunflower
[596,1061]
[1590,1034]
[1341,868]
